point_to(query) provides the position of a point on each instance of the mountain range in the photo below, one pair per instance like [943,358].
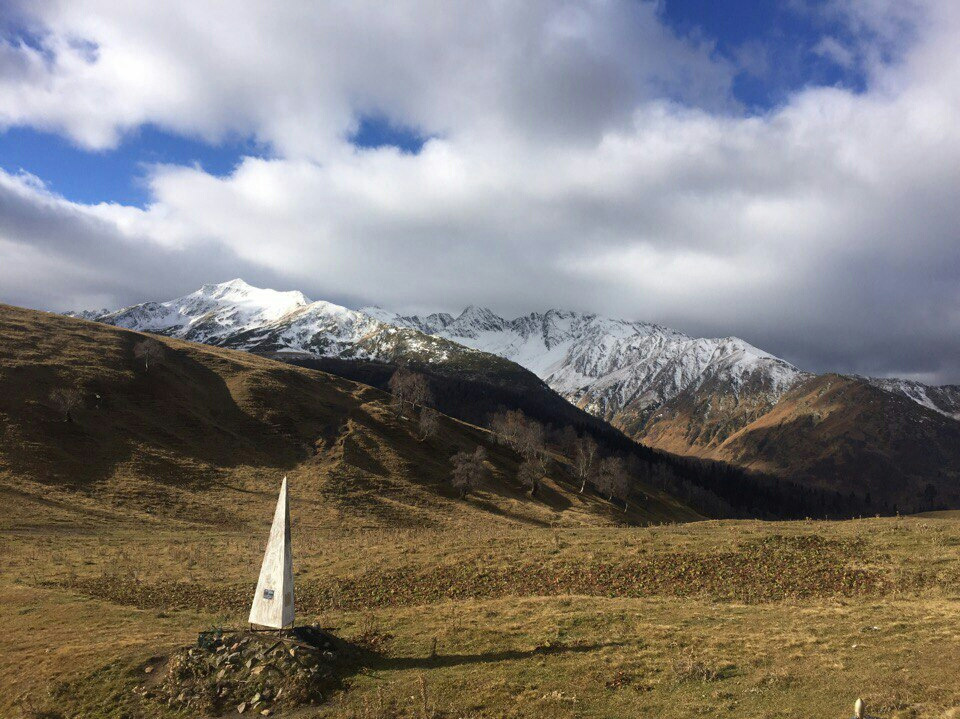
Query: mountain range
[202,434]
[719,398]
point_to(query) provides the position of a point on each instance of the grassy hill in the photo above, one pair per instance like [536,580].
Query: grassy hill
[203,429]
[878,449]
[141,522]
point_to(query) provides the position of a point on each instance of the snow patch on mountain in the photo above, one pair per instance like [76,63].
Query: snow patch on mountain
[606,363]
[944,399]
[602,364]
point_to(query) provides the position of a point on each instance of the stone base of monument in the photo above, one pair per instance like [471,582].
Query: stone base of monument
[253,672]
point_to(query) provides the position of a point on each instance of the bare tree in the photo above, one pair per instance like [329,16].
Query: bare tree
[614,480]
[532,441]
[527,437]
[409,387]
[509,427]
[429,422]
[531,473]
[584,459]
[65,400]
[149,351]
[522,434]
[469,470]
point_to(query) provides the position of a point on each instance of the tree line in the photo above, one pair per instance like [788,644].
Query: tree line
[615,467]
[611,476]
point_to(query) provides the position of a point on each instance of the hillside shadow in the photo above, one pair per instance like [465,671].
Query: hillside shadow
[173,424]
[384,663]
[504,512]
[355,454]
[552,497]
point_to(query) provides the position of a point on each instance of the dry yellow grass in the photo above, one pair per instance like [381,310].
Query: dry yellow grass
[207,426]
[125,534]
[531,653]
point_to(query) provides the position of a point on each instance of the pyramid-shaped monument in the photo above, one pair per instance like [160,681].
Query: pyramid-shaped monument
[273,601]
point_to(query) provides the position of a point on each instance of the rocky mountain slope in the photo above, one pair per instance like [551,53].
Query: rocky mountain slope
[621,371]
[686,395]
[727,400]
[944,399]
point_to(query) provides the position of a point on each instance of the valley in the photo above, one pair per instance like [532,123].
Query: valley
[136,518]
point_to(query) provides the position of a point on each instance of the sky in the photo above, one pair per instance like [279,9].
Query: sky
[787,172]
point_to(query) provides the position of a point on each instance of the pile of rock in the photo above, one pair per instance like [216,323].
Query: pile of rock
[252,672]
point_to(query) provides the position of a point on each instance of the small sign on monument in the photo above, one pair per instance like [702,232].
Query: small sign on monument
[276,574]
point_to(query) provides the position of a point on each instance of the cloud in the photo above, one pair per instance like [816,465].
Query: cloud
[59,255]
[580,155]
[833,49]
[300,77]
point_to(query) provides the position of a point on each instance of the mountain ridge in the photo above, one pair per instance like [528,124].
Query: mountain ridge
[590,372]
[702,397]
[179,438]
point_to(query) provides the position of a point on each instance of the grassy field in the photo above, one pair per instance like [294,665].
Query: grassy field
[725,619]
[141,522]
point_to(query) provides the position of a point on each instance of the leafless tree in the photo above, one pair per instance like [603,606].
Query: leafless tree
[584,453]
[149,351]
[509,426]
[65,400]
[524,435]
[614,480]
[531,473]
[429,422]
[409,387]
[532,442]
[528,438]
[469,470]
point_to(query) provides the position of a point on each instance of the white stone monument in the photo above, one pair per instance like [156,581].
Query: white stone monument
[273,601]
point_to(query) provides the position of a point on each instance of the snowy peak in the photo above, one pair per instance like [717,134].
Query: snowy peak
[607,364]
[235,285]
[474,321]
[213,314]
[261,302]
[382,315]
[621,370]
[944,399]
[237,315]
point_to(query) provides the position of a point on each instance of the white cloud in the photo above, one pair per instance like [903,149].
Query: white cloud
[832,49]
[583,157]
[297,75]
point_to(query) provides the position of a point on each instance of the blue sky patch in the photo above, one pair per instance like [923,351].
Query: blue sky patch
[778,47]
[375,131]
[113,175]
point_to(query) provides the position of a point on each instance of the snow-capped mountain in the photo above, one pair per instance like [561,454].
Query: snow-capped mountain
[211,314]
[632,374]
[607,365]
[944,399]
[234,314]
[720,398]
